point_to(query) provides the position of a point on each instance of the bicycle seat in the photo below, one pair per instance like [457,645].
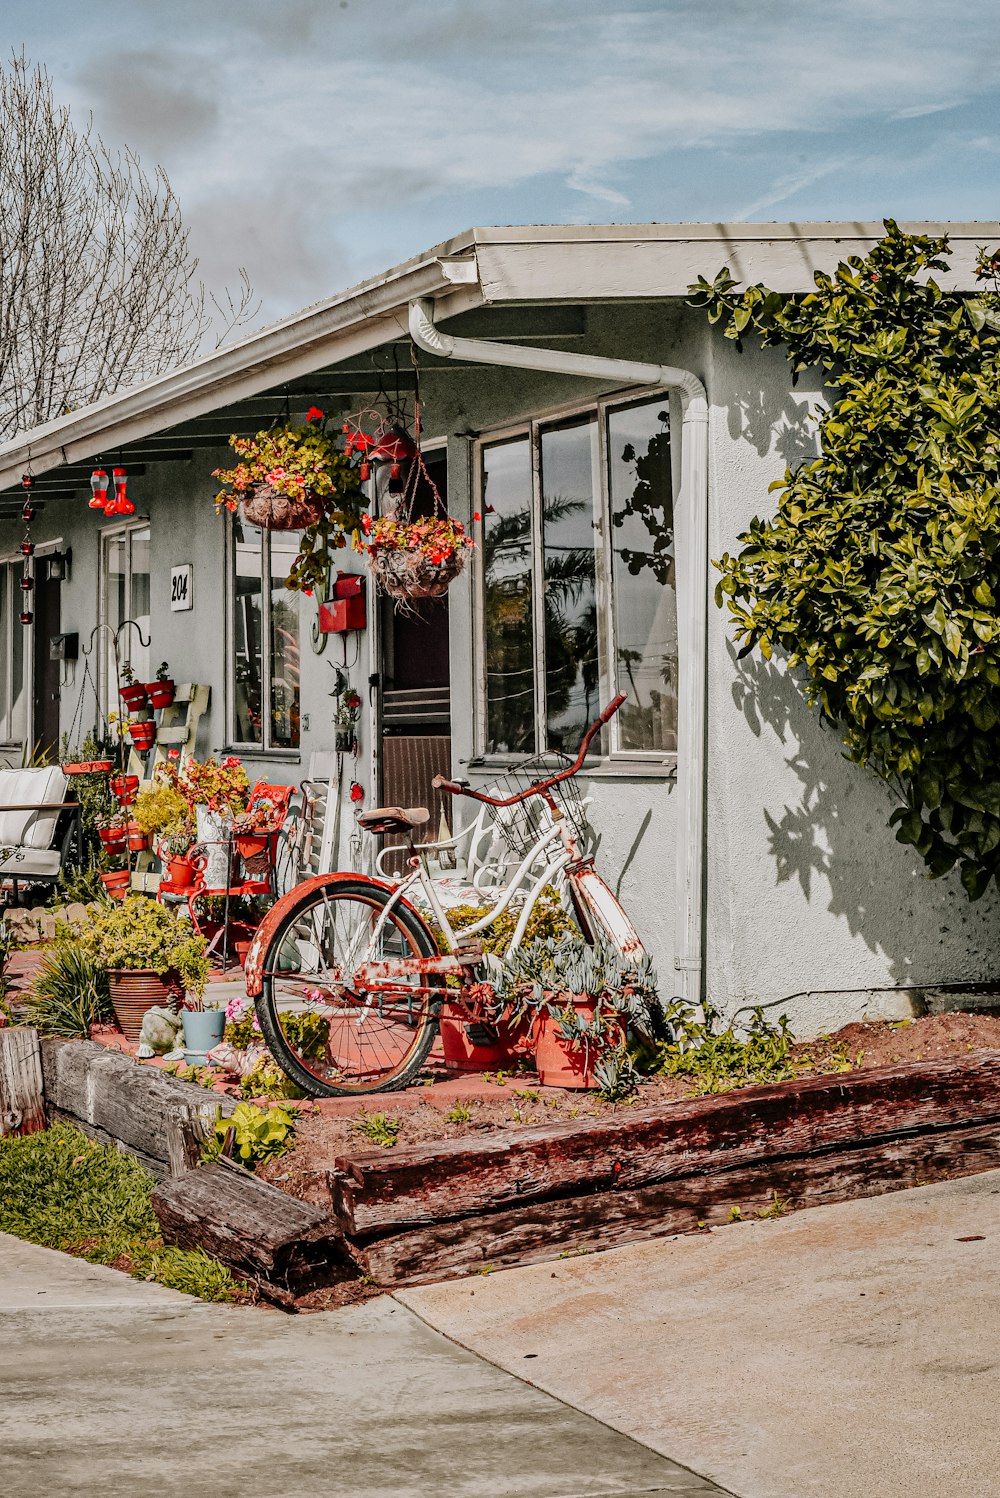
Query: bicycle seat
[382,820]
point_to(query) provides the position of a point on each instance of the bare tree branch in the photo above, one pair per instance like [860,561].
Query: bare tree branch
[98,284]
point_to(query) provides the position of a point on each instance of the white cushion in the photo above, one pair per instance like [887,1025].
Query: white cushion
[30,829]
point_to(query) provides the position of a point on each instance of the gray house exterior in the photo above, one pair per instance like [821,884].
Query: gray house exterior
[755,860]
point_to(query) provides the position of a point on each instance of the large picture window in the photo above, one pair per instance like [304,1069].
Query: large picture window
[264,634]
[577,582]
[13,681]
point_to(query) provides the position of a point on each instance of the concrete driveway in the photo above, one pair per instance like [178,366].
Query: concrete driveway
[120,1389]
[844,1352]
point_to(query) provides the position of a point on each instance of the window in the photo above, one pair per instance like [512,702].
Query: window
[13,685]
[577,582]
[124,595]
[264,639]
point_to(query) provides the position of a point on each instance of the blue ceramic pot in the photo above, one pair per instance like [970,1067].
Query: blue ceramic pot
[203,1029]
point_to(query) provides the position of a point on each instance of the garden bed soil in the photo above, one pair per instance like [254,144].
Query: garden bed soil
[329,1129]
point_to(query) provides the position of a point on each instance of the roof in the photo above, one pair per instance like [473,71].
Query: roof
[551,264]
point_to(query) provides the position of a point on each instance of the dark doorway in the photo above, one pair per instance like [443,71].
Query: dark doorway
[415,678]
[47,607]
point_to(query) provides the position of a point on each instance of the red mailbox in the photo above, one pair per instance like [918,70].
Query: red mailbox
[346,609]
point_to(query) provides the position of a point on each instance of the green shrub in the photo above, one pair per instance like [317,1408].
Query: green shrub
[139,933]
[69,994]
[60,1189]
[879,575]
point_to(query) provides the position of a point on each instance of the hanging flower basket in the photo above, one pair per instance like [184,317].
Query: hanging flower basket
[87,767]
[415,559]
[265,507]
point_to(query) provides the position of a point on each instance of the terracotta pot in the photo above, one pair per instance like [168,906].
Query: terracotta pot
[133,696]
[462,1053]
[180,871]
[161,693]
[116,883]
[250,844]
[241,948]
[124,788]
[560,1064]
[133,991]
[137,840]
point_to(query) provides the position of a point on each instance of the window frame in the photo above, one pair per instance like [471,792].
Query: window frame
[613,759]
[14,563]
[247,748]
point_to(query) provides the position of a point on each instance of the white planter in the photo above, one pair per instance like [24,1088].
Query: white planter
[215,831]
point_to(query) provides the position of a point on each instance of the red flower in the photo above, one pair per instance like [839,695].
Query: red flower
[366,523]
[357,791]
[314,414]
[477,516]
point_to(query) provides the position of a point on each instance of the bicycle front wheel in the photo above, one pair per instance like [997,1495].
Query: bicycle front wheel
[331,1035]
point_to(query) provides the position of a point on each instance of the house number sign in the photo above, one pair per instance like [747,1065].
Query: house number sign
[181,590]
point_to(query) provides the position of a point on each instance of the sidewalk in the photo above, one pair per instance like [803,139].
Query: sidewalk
[121,1389]
[850,1351]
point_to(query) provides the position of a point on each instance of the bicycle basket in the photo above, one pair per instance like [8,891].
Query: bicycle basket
[520,826]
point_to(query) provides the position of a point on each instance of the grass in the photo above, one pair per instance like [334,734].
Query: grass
[461,1113]
[61,1190]
[379,1129]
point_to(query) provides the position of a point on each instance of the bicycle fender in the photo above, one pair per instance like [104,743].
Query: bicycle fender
[253,971]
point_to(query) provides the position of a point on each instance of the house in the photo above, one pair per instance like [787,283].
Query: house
[755,860]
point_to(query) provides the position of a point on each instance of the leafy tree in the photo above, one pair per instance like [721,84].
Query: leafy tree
[880,573]
[98,285]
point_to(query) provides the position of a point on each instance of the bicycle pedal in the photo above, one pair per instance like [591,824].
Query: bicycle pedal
[480,1034]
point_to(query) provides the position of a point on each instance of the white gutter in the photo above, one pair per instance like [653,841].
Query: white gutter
[691,518]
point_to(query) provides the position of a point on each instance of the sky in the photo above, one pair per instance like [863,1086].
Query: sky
[316,142]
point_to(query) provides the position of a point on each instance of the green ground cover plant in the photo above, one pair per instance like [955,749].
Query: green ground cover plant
[715,1059]
[61,1190]
[70,992]
[878,577]
[258,1134]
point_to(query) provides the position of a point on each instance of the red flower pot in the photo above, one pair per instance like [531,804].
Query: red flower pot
[180,871]
[251,844]
[142,735]
[116,883]
[125,788]
[463,1053]
[113,838]
[133,696]
[560,1064]
[161,693]
[137,839]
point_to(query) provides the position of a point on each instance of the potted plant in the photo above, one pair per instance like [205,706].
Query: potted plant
[116,882]
[215,791]
[414,559]
[173,847]
[585,1004]
[124,788]
[151,956]
[112,829]
[252,829]
[137,840]
[296,478]
[204,1027]
[131,691]
[142,732]
[161,691]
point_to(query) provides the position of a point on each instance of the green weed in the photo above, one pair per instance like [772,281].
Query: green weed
[461,1113]
[379,1128]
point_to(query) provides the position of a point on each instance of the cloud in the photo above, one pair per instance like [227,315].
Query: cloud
[155,99]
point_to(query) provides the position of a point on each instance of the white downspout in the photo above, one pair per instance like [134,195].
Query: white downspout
[691,518]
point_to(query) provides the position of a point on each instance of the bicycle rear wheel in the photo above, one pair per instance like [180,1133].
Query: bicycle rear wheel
[330,1036]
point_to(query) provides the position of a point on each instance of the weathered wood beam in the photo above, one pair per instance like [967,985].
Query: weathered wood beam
[428,1183]
[284,1246]
[22,1103]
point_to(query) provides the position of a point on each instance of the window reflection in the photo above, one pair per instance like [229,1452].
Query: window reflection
[284,644]
[644,574]
[246,634]
[569,534]
[510,686]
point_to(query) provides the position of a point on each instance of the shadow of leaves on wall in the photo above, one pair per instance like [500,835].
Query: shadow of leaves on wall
[791,434]
[836,838]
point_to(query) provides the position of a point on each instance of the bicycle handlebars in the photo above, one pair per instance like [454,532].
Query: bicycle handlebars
[454,788]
